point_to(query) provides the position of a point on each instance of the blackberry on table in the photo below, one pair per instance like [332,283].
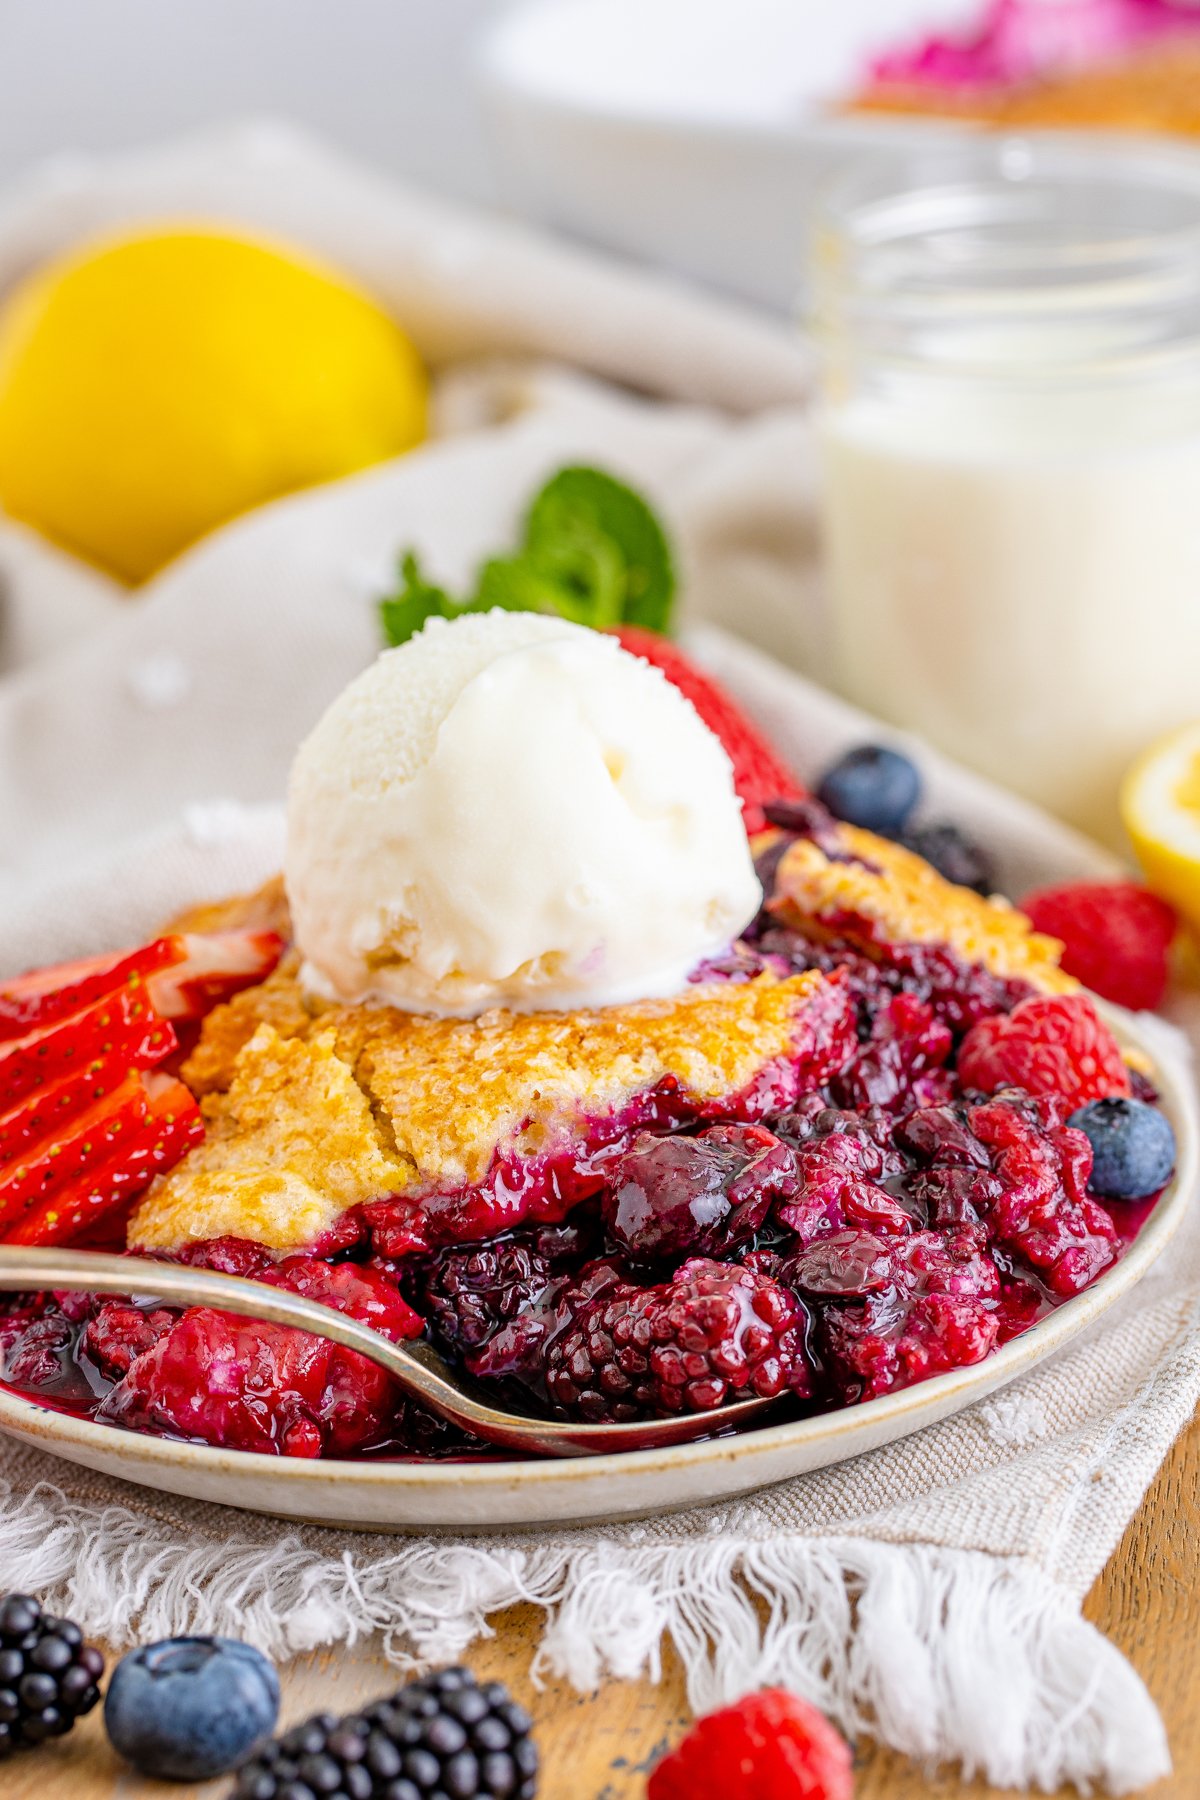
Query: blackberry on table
[444,1735]
[48,1676]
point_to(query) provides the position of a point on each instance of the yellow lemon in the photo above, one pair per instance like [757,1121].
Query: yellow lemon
[155,386]
[1160,804]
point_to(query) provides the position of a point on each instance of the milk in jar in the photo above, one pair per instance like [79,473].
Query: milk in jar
[1010,439]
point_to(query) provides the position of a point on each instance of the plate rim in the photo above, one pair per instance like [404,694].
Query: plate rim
[26,1419]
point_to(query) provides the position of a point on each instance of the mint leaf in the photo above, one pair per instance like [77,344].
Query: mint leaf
[414,601]
[592,552]
[606,547]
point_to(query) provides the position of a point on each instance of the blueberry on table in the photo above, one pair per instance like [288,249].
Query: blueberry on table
[1133,1147]
[871,786]
[48,1676]
[191,1707]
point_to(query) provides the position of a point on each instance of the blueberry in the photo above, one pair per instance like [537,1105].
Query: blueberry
[192,1707]
[953,855]
[872,786]
[1133,1147]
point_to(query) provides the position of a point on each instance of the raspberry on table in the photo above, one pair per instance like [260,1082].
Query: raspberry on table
[1049,1044]
[1116,937]
[771,1745]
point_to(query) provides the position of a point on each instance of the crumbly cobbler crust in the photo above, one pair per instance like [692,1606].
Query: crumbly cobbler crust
[313,1109]
[311,1112]
[879,892]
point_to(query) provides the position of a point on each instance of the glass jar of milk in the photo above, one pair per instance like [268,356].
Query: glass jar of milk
[1010,437]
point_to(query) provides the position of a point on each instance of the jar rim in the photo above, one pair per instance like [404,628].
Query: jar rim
[1096,248]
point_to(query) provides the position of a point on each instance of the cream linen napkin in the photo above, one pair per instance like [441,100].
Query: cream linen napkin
[929,1592]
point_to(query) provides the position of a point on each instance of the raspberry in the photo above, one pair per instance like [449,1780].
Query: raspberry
[701,1195]
[902,1062]
[1044,1210]
[38,1354]
[772,1745]
[226,1256]
[248,1385]
[758,774]
[921,1304]
[119,1333]
[616,1351]
[1046,1045]
[841,1169]
[1115,935]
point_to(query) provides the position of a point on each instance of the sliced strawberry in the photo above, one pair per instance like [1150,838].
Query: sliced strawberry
[211,968]
[758,773]
[50,1109]
[185,975]
[37,999]
[123,1025]
[170,1125]
[83,1145]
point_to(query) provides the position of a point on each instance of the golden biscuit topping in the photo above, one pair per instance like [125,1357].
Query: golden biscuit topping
[887,894]
[310,1114]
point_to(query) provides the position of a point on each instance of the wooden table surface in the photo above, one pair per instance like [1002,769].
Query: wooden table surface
[599,1747]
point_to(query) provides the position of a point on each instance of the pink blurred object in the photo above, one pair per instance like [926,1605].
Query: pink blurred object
[1021,40]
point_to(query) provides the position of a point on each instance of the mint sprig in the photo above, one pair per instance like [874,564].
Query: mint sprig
[591,551]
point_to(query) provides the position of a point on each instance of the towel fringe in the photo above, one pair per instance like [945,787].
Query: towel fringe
[947,1655]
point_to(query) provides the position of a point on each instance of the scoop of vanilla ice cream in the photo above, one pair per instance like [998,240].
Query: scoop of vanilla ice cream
[509,810]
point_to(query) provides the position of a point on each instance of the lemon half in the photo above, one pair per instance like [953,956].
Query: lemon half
[155,386]
[1160,804]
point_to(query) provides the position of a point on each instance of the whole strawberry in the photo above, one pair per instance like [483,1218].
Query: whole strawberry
[1116,936]
[1048,1044]
[758,773]
[769,1746]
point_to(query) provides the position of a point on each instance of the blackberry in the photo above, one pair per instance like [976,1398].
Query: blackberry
[466,1295]
[48,1676]
[443,1735]
[712,1332]
[954,855]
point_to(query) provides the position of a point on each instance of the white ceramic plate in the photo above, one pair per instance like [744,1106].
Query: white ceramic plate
[479,1496]
[698,134]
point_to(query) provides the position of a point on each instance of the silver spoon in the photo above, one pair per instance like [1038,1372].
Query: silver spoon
[416,1367]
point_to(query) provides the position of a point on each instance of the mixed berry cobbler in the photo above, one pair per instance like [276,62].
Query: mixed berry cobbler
[839,1160]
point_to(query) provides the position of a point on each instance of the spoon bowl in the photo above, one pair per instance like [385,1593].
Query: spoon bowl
[416,1367]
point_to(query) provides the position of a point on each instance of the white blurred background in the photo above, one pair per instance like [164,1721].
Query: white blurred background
[386,78]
